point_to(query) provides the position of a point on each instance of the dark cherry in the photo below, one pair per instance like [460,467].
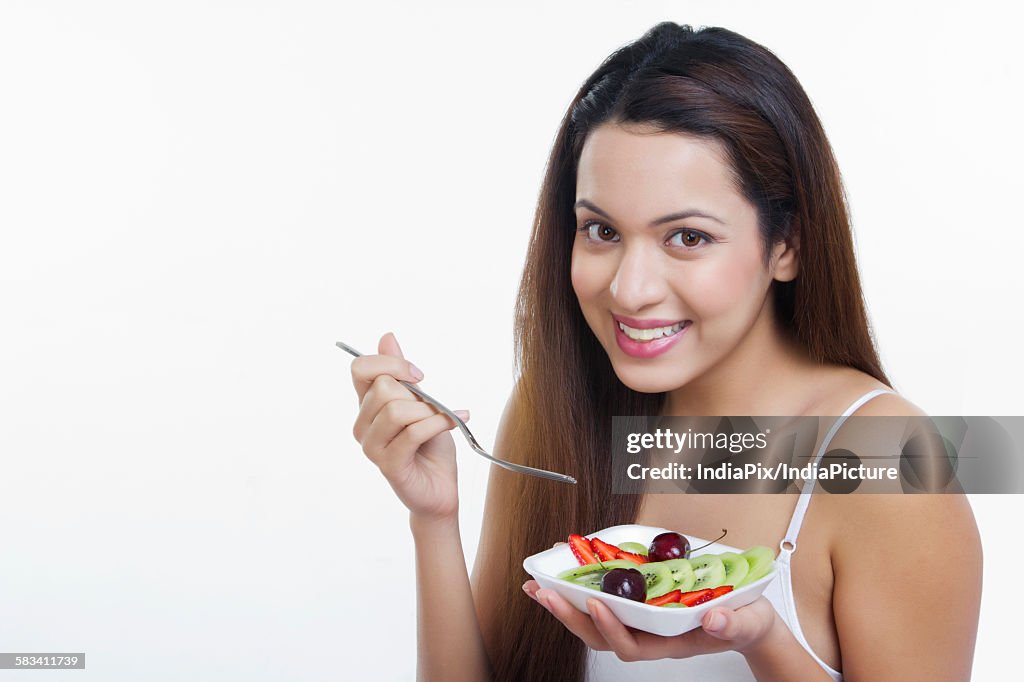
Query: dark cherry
[668,546]
[625,582]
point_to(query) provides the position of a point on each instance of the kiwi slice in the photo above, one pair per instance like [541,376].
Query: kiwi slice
[760,559]
[674,605]
[634,547]
[658,577]
[710,571]
[576,572]
[682,574]
[591,581]
[736,567]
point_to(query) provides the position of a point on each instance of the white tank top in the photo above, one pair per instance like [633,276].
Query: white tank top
[605,666]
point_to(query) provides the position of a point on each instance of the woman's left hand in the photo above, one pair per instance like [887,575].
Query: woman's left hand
[721,629]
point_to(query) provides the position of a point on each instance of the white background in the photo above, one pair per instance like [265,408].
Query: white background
[198,199]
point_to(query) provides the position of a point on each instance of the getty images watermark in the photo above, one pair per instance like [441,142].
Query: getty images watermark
[782,454]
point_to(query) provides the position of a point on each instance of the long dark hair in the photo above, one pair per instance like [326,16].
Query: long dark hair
[717,85]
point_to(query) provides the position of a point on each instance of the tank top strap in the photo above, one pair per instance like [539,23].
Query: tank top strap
[788,544]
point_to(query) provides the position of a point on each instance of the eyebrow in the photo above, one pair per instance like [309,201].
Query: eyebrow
[671,217]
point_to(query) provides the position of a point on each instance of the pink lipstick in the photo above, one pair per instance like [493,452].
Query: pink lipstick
[652,348]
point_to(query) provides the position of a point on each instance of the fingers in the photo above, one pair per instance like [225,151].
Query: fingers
[579,623]
[629,645]
[390,361]
[388,345]
[397,433]
[383,390]
[603,631]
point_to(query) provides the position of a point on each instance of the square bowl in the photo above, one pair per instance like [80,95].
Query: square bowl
[545,567]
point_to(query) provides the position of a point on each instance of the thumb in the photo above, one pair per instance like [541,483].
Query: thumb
[742,627]
[726,624]
[389,346]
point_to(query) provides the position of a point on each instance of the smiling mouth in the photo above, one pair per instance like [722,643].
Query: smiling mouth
[644,335]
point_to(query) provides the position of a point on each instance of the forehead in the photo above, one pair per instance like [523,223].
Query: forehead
[636,171]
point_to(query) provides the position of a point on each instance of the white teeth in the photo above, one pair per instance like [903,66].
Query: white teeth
[650,334]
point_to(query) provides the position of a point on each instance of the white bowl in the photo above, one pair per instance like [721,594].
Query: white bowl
[545,566]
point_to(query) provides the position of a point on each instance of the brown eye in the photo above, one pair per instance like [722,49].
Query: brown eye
[689,239]
[599,232]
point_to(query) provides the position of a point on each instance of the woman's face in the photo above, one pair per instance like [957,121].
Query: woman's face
[667,246]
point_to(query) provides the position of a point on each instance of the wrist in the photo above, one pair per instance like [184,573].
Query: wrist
[767,643]
[429,526]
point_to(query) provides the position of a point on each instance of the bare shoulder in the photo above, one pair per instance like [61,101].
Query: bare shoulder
[894,528]
[930,523]
[500,482]
[878,518]
[839,387]
[889,405]
[490,575]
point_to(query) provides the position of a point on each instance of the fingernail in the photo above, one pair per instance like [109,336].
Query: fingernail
[527,591]
[714,622]
[543,599]
[591,606]
[415,372]
[463,414]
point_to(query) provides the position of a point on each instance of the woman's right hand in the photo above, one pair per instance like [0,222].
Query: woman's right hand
[404,436]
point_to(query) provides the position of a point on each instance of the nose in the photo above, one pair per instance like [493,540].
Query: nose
[639,281]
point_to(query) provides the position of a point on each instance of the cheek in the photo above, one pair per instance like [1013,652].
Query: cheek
[585,275]
[728,288]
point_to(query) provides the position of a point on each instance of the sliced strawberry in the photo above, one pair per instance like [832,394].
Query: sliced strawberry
[672,596]
[695,597]
[603,550]
[719,591]
[630,556]
[581,549]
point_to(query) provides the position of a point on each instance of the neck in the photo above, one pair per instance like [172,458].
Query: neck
[750,380]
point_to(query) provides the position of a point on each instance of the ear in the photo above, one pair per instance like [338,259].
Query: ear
[786,259]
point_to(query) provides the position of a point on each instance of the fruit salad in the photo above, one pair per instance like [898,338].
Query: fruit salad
[664,573]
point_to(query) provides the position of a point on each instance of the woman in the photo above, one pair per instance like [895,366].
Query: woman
[691,188]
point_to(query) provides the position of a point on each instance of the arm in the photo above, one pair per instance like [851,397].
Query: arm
[453,645]
[907,567]
[449,644]
[907,587]
[409,442]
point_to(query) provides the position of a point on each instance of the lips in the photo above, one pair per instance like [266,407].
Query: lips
[644,348]
[643,324]
[650,334]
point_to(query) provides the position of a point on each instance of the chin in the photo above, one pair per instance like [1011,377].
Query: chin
[650,380]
